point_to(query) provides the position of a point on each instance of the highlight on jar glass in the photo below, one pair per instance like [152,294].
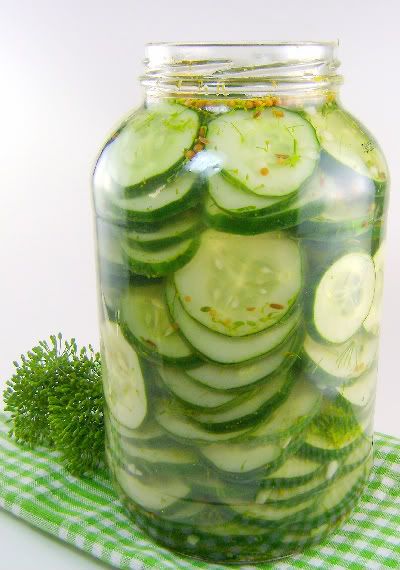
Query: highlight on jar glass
[240,217]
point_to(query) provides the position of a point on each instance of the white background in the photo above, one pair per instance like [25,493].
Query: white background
[68,72]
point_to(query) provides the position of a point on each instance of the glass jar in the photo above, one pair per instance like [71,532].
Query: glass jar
[240,220]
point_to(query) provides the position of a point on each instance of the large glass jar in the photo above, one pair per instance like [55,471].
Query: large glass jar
[240,220]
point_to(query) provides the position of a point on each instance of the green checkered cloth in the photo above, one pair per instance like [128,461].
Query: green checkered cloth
[87,514]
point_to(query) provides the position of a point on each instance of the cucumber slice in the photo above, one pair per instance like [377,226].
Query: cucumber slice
[240,285]
[222,349]
[344,213]
[124,388]
[171,417]
[343,297]
[275,515]
[296,470]
[306,205]
[358,455]
[318,446]
[293,495]
[338,499]
[168,456]
[160,262]
[146,324]
[293,415]
[361,392]
[348,142]
[271,154]
[249,409]
[239,457]
[338,363]
[171,198]
[146,434]
[173,231]
[242,377]
[111,265]
[151,145]
[236,200]
[152,495]
[372,322]
[190,392]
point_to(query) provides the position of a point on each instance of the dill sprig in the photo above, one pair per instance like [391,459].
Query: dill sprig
[55,399]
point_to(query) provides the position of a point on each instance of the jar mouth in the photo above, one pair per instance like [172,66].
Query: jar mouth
[196,69]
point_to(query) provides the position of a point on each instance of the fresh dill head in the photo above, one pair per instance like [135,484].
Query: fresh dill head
[55,399]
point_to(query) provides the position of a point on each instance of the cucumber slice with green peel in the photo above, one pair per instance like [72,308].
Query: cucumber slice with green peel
[221,349]
[372,322]
[361,392]
[238,378]
[171,417]
[270,154]
[160,262]
[153,495]
[343,297]
[236,200]
[320,448]
[276,515]
[303,207]
[239,458]
[238,286]
[342,136]
[338,499]
[333,364]
[191,392]
[249,409]
[358,455]
[146,324]
[124,388]
[148,432]
[294,495]
[166,456]
[175,230]
[151,145]
[292,416]
[296,470]
[175,196]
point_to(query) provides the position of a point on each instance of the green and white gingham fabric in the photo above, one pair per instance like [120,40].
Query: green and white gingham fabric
[87,514]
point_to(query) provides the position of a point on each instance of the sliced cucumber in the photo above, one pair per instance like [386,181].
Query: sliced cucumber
[236,200]
[148,433]
[271,154]
[240,285]
[192,392]
[293,495]
[361,392]
[305,206]
[160,262]
[146,324]
[292,416]
[111,265]
[239,457]
[296,470]
[249,409]
[343,297]
[358,455]
[372,322]
[276,515]
[123,383]
[242,377]
[173,197]
[338,499]
[152,495]
[151,145]
[344,213]
[222,349]
[167,456]
[171,417]
[348,142]
[337,363]
[321,448]
[173,231]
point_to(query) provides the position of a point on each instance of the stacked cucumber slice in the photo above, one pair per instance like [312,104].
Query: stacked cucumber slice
[241,274]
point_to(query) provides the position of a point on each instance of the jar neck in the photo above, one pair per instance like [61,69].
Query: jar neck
[304,71]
